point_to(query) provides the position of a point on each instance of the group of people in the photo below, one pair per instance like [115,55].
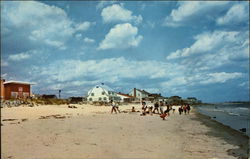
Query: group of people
[184,109]
[156,109]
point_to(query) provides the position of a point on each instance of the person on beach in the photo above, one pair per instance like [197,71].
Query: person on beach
[161,105]
[150,110]
[173,108]
[180,110]
[117,107]
[113,107]
[185,109]
[188,108]
[167,110]
[144,108]
[163,116]
[156,107]
[133,109]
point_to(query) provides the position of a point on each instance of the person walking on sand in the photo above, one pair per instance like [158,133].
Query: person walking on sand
[117,107]
[188,108]
[185,109]
[180,110]
[161,105]
[156,107]
[167,110]
[113,106]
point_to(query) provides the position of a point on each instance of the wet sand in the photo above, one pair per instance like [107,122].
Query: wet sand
[58,132]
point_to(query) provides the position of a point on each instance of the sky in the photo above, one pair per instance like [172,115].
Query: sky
[185,48]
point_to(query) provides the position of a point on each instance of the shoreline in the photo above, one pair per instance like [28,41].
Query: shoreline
[232,136]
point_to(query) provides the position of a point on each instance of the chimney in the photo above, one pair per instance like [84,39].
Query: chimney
[134,92]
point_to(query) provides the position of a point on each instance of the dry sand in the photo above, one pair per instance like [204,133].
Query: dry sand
[92,132]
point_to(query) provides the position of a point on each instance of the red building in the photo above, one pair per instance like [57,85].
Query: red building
[15,89]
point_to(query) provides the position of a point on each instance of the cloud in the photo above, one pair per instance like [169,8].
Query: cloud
[4,63]
[121,36]
[117,13]
[22,56]
[212,50]
[106,70]
[50,25]
[102,4]
[238,13]
[84,26]
[220,77]
[88,40]
[188,11]
[207,42]
[78,36]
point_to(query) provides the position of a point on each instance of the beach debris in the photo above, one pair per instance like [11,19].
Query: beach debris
[72,106]
[24,120]
[9,119]
[57,116]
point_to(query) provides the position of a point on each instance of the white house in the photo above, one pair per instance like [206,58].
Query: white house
[140,94]
[102,93]
[125,97]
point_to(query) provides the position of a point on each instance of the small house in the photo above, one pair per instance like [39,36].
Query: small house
[15,89]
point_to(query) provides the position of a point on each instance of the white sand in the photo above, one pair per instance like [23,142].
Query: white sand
[92,132]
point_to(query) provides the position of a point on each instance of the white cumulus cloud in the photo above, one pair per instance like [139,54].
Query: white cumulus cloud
[121,36]
[22,56]
[40,23]
[188,10]
[89,40]
[236,14]
[221,77]
[117,13]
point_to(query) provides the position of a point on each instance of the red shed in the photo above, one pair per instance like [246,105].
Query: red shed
[17,89]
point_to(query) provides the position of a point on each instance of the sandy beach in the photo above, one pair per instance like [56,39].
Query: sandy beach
[59,132]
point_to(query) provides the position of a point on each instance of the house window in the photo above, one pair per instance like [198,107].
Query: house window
[100,98]
[104,98]
[90,99]
[14,94]
[109,92]
[25,94]
[138,94]
[92,94]
[20,89]
[103,93]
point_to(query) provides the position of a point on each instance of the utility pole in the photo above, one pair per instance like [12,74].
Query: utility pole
[59,93]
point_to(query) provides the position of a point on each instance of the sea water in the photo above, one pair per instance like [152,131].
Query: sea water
[237,116]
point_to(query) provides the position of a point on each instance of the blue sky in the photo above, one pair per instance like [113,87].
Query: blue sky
[187,48]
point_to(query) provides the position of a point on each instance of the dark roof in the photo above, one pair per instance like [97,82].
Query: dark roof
[143,91]
[49,96]
[125,95]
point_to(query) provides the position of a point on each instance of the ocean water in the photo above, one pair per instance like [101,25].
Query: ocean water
[237,116]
